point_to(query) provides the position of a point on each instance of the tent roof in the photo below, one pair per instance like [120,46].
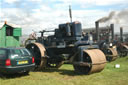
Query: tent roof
[10,24]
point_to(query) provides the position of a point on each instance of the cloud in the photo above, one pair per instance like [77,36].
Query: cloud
[111,2]
[36,0]
[11,1]
[46,18]
[91,3]
[39,14]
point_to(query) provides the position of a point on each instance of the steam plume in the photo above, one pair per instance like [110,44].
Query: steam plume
[107,18]
[118,17]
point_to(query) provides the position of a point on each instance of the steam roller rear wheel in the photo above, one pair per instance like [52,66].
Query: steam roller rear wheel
[38,52]
[111,54]
[93,61]
[40,55]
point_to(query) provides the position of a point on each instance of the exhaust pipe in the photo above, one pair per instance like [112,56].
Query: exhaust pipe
[121,34]
[112,31]
[97,30]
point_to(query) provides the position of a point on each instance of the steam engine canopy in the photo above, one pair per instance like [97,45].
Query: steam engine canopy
[69,30]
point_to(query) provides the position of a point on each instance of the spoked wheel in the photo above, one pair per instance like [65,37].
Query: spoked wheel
[111,54]
[55,61]
[124,51]
[38,51]
[123,54]
[93,61]
[55,65]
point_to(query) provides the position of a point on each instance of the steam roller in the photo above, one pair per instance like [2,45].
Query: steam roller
[125,50]
[109,50]
[122,49]
[50,52]
[111,54]
[122,46]
[93,60]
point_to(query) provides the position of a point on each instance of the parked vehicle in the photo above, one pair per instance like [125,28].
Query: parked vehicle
[16,60]
[67,44]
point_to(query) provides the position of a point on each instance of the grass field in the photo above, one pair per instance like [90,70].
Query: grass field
[66,76]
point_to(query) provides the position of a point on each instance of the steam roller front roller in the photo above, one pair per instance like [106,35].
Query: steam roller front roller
[40,55]
[111,54]
[93,61]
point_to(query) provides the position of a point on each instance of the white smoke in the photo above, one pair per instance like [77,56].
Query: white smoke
[107,18]
[117,17]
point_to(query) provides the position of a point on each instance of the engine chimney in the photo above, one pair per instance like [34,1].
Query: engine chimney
[121,34]
[112,31]
[97,30]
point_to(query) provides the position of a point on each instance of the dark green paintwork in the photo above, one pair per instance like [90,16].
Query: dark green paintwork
[10,41]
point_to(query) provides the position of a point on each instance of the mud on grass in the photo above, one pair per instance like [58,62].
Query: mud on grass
[66,76]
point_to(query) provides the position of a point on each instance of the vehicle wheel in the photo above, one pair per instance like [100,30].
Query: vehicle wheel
[111,54]
[82,69]
[93,61]
[38,52]
[26,73]
[55,65]
[54,61]
[123,54]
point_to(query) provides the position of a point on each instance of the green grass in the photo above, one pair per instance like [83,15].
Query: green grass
[66,76]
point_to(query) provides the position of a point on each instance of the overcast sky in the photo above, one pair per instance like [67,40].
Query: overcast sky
[47,14]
